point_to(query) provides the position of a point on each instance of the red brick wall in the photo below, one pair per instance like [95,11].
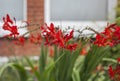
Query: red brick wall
[35,15]
[35,9]
[8,48]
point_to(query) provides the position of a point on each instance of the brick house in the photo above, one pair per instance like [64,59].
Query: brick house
[37,11]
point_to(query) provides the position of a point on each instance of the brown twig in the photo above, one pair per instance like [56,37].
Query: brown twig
[89,28]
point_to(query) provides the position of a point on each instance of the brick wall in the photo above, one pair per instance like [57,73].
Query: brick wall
[35,9]
[35,15]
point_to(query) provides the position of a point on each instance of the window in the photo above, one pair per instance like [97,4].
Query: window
[80,13]
[15,8]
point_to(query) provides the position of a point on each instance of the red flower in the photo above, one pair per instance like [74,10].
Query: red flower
[83,51]
[99,40]
[115,73]
[57,37]
[7,19]
[9,26]
[67,37]
[46,41]
[111,72]
[52,28]
[52,36]
[35,39]
[117,33]
[71,47]
[20,40]
[110,36]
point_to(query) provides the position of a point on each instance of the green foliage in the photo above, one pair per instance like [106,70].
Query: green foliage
[13,72]
[117,21]
[65,65]
[93,58]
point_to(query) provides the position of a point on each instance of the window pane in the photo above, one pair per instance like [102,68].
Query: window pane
[78,10]
[12,7]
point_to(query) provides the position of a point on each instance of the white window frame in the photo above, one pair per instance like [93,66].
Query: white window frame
[96,25]
[25,10]
[18,23]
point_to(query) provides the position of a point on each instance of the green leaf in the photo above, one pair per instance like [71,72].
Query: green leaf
[46,75]
[18,70]
[93,58]
[42,59]
[36,73]
[22,72]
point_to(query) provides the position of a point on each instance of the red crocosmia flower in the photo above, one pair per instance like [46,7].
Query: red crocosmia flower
[110,36]
[55,36]
[111,72]
[6,26]
[59,39]
[52,28]
[14,31]
[35,39]
[20,40]
[71,47]
[114,73]
[108,33]
[83,51]
[44,30]
[7,19]
[100,41]
[117,32]
[67,37]
[46,41]
[10,26]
